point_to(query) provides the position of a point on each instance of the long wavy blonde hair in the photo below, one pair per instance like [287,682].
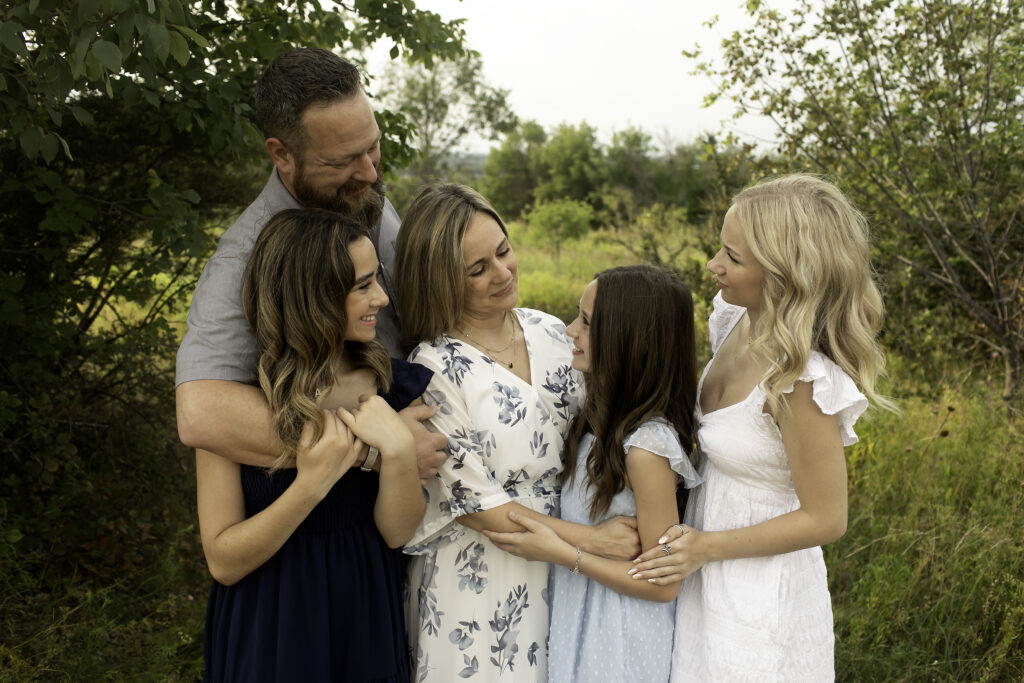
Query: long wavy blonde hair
[294,292]
[819,290]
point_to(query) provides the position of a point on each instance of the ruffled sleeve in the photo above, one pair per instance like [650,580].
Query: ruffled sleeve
[722,319]
[659,437]
[408,382]
[835,393]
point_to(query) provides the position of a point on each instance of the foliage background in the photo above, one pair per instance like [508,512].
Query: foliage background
[125,147]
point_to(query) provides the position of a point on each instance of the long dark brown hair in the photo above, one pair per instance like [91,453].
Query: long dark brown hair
[294,292]
[643,364]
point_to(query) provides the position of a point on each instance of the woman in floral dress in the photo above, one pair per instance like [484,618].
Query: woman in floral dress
[505,393]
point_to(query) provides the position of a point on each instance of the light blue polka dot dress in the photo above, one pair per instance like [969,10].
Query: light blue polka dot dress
[598,634]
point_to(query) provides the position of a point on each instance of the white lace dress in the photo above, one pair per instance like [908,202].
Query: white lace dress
[763,618]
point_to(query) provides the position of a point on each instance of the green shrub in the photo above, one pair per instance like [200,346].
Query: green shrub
[560,221]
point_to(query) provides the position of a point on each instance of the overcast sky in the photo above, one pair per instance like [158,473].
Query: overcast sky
[611,64]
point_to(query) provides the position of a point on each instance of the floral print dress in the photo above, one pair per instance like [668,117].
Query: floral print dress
[474,611]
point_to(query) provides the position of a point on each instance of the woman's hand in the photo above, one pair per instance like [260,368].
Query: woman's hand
[377,424]
[616,538]
[322,464]
[686,555]
[538,542]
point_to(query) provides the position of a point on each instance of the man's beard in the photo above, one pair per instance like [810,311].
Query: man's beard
[355,198]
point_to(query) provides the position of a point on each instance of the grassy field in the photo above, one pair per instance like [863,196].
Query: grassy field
[927,584]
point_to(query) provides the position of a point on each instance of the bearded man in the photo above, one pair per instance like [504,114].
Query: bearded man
[324,141]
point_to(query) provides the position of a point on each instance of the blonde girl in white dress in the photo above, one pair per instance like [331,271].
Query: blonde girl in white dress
[795,360]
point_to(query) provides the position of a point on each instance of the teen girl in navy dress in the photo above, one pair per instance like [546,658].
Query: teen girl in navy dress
[307,581]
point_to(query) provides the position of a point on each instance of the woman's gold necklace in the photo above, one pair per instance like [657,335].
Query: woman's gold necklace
[491,353]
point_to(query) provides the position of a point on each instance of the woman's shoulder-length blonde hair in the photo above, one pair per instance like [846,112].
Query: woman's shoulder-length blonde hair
[430,269]
[819,289]
[294,294]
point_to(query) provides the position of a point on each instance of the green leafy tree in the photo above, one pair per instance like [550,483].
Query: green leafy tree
[632,164]
[916,107]
[443,104]
[126,141]
[573,166]
[513,170]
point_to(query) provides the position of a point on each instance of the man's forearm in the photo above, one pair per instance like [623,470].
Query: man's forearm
[228,418]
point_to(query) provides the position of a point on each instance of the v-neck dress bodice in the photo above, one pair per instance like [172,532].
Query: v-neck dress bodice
[762,618]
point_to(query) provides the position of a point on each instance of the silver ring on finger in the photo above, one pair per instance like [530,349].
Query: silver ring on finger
[680,527]
[667,549]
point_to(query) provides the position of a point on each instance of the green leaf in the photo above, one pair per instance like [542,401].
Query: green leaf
[64,144]
[55,115]
[192,35]
[159,41]
[108,54]
[30,139]
[93,68]
[125,28]
[87,8]
[175,13]
[82,116]
[11,38]
[49,147]
[179,47]
[394,52]
[13,535]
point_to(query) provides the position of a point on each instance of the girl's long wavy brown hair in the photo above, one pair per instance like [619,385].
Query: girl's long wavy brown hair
[643,365]
[294,292]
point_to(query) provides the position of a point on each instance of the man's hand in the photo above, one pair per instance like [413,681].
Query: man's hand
[430,445]
[615,538]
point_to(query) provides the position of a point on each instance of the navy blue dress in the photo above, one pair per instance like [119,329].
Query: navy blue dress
[328,605]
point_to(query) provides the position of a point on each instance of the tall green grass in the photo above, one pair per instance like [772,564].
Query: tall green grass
[928,583]
[145,626]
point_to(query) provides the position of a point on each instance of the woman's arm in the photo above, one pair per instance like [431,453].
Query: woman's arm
[234,545]
[614,538]
[815,452]
[653,484]
[400,504]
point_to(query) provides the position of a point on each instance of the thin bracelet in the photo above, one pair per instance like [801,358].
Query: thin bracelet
[576,567]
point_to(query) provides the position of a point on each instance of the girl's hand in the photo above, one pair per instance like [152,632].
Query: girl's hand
[322,464]
[377,424]
[686,555]
[538,542]
[616,539]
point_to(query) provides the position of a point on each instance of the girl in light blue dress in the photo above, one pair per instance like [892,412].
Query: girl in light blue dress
[626,452]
